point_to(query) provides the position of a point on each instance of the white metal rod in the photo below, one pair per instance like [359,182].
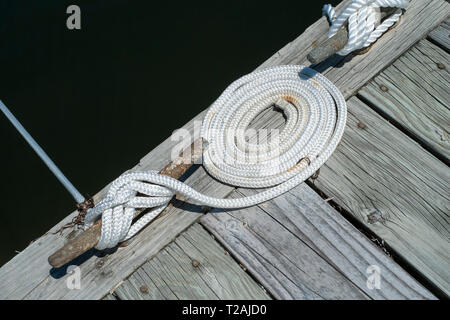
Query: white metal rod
[41,153]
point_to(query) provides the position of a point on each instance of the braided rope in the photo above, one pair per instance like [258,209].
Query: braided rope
[360,16]
[315,121]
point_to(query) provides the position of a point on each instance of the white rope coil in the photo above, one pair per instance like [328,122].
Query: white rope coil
[362,20]
[315,115]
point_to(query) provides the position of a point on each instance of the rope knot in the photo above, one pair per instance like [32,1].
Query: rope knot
[126,194]
[363,21]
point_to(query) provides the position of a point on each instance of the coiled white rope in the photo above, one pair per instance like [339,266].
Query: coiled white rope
[362,18]
[315,121]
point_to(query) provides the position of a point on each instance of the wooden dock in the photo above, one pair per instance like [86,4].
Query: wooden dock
[382,199]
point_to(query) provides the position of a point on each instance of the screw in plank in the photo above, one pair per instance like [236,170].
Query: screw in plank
[205,144]
[361,125]
[315,175]
[383,88]
[195,263]
[124,244]
[440,66]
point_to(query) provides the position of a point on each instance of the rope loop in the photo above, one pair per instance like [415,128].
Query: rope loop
[315,114]
[363,22]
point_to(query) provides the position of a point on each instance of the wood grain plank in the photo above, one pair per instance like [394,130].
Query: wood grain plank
[299,247]
[394,187]
[30,268]
[101,273]
[441,35]
[416,95]
[217,275]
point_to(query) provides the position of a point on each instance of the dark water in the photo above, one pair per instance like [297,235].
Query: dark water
[84,94]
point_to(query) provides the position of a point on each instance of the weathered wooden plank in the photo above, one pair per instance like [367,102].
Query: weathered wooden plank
[299,247]
[441,35]
[194,266]
[29,269]
[286,266]
[396,188]
[381,55]
[414,93]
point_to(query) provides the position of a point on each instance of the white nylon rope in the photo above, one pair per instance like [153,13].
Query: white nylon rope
[361,17]
[315,121]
